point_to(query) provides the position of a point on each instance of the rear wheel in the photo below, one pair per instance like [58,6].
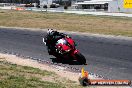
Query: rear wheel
[80,58]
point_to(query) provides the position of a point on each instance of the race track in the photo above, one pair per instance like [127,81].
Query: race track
[109,57]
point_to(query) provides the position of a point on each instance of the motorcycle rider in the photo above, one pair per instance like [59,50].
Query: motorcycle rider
[51,38]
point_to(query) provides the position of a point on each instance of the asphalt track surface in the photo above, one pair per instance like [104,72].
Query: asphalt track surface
[109,57]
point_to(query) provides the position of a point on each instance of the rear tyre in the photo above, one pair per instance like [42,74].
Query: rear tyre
[80,58]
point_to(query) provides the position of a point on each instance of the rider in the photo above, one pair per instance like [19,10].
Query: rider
[51,38]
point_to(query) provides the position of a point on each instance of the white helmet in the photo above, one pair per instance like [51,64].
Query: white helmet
[49,31]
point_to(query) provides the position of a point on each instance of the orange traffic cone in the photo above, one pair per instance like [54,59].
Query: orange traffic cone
[84,81]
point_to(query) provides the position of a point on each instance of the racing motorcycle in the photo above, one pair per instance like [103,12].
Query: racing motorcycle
[66,50]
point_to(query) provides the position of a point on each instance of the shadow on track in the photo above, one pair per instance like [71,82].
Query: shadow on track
[63,61]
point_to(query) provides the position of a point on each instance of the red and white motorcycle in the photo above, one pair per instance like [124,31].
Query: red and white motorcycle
[67,51]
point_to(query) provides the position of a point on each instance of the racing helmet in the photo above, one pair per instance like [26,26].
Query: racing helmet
[50,31]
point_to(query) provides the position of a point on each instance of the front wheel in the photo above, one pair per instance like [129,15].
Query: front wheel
[80,58]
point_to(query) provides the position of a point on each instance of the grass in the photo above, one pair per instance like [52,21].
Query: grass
[22,82]
[67,22]
[16,76]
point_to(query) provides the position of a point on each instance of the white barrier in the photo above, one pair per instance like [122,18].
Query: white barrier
[13,8]
[6,7]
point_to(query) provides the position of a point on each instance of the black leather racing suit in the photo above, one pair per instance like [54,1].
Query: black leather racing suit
[51,40]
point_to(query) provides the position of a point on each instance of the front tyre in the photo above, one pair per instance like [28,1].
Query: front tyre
[80,58]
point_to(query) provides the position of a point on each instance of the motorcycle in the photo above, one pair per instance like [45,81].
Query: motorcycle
[66,50]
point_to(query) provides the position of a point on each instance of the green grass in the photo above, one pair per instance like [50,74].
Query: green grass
[23,69]
[14,81]
[68,22]
[16,76]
